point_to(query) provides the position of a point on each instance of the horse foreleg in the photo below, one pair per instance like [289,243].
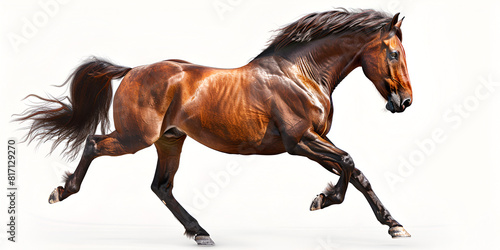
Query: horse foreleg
[359,180]
[361,183]
[169,149]
[331,158]
[95,146]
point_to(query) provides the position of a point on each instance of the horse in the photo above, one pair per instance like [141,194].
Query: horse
[281,101]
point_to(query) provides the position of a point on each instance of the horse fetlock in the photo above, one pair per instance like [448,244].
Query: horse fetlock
[321,201]
[71,187]
[333,199]
[333,194]
[193,226]
[384,217]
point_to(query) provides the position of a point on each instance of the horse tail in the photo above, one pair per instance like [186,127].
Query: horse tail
[89,102]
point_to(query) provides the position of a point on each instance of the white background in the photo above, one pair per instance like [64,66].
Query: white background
[446,196]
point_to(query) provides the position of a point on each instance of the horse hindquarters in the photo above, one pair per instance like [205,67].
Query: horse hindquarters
[138,125]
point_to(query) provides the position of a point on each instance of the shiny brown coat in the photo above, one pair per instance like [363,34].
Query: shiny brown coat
[279,102]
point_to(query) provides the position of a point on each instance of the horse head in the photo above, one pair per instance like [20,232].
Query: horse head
[384,63]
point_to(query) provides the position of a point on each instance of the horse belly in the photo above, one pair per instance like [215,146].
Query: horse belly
[232,131]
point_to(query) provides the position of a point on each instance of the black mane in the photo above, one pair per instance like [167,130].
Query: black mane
[318,25]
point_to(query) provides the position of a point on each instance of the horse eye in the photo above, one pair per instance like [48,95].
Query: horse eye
[394,55]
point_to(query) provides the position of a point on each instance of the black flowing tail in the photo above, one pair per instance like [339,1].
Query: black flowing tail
[89,102]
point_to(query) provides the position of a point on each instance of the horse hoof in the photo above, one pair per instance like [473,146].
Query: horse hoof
[54,196]
[204,240]
[398,232]
[316,204]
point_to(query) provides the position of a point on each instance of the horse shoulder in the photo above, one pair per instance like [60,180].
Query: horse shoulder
[298,106]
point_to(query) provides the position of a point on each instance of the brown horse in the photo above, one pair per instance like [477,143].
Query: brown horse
[279,102]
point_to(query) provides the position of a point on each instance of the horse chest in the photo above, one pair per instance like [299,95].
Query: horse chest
[322,119]
[318,110]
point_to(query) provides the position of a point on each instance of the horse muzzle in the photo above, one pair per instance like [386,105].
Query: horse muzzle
[397,103]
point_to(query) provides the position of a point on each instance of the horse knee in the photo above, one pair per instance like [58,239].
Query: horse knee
[347,162]
[337,198]
[72,189]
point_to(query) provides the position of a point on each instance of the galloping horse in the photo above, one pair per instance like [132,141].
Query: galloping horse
[279,102]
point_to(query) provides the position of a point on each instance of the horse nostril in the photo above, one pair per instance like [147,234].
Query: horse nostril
[406,102]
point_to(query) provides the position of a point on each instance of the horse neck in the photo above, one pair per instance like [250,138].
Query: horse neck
[329,60]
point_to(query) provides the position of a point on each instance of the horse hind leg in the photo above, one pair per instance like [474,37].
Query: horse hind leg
[169,148]
[95,146]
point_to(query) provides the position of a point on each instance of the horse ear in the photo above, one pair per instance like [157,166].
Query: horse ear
[398,24]
[393,22]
